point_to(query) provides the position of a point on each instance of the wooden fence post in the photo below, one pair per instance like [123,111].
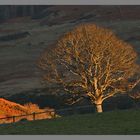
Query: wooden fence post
[52,114]
[14,119]
[34,116]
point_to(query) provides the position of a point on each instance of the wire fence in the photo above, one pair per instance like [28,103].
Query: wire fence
[49,114]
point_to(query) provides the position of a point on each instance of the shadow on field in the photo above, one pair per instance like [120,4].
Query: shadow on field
[43,99]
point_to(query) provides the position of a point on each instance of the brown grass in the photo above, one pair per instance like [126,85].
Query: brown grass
[9,109]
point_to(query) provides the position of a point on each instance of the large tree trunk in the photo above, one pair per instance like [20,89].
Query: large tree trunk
[99,108]
[98,103]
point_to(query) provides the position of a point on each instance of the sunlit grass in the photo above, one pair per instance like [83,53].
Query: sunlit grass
[112,123]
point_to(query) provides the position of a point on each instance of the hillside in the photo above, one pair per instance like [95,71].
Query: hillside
[109,123]
[8,108]
[24,37]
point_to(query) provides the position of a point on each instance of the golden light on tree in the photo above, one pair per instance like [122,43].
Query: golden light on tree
[90,61]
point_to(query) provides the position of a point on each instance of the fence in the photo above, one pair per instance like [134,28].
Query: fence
[48,114]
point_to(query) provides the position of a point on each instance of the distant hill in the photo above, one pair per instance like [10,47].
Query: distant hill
[26,31]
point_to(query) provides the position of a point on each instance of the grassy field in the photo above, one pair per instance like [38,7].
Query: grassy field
[108,123]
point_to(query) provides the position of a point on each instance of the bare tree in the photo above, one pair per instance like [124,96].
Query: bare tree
[90,61]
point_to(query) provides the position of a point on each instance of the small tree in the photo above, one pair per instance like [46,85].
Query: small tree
[135,95]
[90,61]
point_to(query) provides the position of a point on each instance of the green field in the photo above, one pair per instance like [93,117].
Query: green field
[109,123]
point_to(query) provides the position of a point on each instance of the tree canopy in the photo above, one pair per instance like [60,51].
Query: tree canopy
[91,61]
